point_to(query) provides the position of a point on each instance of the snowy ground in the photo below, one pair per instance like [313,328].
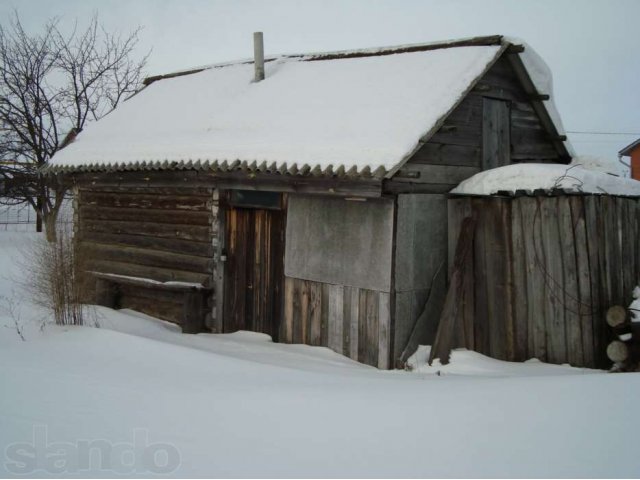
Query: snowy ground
[238,405]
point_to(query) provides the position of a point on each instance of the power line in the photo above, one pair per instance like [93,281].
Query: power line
[603,133]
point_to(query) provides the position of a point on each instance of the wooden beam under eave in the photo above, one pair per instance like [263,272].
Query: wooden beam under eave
[538,105]
[243,180]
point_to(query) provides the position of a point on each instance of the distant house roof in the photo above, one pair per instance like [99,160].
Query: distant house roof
[360,112]
[626,151]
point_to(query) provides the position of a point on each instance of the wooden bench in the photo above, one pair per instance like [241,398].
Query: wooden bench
[110,288]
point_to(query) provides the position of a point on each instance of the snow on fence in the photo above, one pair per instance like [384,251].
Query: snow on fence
[544,271]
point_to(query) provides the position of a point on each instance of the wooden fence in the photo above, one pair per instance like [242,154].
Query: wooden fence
[545,270]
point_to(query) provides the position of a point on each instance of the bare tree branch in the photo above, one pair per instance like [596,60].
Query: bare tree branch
[51,85]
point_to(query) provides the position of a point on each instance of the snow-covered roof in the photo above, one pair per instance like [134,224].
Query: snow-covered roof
[356,112]
[546,177]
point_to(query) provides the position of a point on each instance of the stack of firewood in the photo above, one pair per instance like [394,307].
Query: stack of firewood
[624,350]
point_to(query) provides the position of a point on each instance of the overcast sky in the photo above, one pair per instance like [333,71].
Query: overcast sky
[592,47]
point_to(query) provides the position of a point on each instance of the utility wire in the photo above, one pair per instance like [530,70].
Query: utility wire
[603,133]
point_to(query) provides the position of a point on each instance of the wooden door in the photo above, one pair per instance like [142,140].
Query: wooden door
[496,133]
[254,270]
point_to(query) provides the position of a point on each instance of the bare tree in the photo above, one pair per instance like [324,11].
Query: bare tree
[51,85]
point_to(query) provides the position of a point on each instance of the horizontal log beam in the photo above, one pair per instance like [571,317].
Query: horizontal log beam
[144,271]
[146,201]
[187,247]
[166,230]
[140,256]
[177,217]
[245,180]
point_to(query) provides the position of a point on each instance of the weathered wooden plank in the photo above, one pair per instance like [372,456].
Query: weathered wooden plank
[150,189]
[315,314]
[520,300]
[394,187]
[336,318]
[570,294]
[178,217]
[554,281]
[368,342]
[324,315]
[434,174]
[496,140]
[187,247]
[536,305]
[452,135]
[384,331]
[425,327]
[286,335]
[169,311]
[237,179]
[457,210]
[614,253]
[628,247]
[441,150]
[481,312]
[597,271]
[495,237]
[166,230]
[144,201]
[443,341]
[354,313]
[585,306]
[219,242]
[303,317]
[144,271]
[142,256]
[162,294]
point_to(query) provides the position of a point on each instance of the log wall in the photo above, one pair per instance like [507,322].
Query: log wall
[162,234]
[546,269]
[351,321]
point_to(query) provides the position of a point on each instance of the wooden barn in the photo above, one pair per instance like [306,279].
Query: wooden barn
[304,197]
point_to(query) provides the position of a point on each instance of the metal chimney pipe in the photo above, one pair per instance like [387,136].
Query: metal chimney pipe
[258,55]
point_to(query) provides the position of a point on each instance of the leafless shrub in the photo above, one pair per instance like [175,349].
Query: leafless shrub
[53,281]
[9,306]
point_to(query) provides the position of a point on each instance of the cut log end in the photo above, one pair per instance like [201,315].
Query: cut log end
[617,351]
[616,316]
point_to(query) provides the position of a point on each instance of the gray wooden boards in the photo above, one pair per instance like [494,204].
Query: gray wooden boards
[349,320]
[425,329]
[496,133]
[546,269]
[420,251]
[463,257]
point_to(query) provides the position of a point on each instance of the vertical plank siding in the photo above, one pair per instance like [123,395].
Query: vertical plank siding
[163,234]
[357,320]
[546,269]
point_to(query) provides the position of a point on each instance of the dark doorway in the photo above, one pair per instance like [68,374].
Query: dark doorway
[254,268]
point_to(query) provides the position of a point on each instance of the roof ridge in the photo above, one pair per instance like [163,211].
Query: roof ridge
[480,41]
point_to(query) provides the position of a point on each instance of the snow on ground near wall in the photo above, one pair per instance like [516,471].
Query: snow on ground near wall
[353,112]
[534,176]
[239,405]
[466,362]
